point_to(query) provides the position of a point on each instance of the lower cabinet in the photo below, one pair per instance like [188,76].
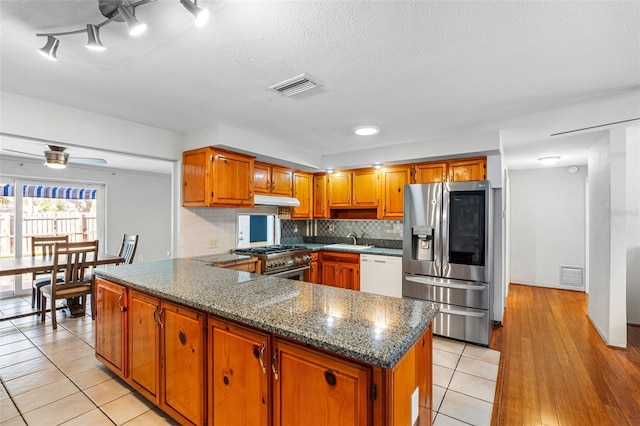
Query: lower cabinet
[314,388]
[239,375]
[111,326]
[312,275]
[340,269]
[167,356]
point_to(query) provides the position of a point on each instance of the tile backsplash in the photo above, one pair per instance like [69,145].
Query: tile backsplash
[207,231]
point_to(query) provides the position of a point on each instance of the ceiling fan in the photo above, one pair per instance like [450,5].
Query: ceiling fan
[56,158]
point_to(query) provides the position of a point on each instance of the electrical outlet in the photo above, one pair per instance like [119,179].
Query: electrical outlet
[332,227]
[140,258]
[213,243]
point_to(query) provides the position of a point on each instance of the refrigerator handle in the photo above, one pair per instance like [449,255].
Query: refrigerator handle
[444,228]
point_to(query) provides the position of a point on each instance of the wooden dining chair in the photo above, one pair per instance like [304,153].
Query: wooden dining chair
[42,246]
[72,261]
[128,248]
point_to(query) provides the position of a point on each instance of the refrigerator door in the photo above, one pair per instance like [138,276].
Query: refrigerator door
[466,229]
[443,290]
[422,231]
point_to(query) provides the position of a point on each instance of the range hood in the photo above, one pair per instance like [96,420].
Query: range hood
[268,200]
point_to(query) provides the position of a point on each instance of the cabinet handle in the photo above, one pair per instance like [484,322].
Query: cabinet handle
[349,199]
[122,308]
[261,357]
[330,378]
[160,317]
[155,319]
[274,361]
[354,199]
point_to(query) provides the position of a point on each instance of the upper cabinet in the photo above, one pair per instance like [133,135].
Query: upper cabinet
[393,179]
[464,169]
[320,208]
[302,190]
[270,179]
[354,188]
[214,177]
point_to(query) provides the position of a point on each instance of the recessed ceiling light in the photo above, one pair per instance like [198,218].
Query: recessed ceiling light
[366,130]
[548,161]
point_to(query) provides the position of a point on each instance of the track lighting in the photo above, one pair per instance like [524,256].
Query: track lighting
[94,42]
[201,16]
[118,11]
[49,49]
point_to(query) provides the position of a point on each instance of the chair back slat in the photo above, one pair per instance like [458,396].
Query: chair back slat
[43,246]
[128,248]
[74,261]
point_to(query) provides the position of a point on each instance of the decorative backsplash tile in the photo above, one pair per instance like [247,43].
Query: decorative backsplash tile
[327,231]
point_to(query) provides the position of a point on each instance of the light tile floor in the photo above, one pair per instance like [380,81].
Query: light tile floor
[51,377]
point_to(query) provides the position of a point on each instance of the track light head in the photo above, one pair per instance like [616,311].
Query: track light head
[135,27]
[201,16]
[49,50]
[94,42]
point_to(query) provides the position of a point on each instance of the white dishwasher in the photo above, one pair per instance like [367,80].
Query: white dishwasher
[381,274]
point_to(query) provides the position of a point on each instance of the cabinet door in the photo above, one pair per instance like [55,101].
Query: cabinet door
[431,172]
[393,181]
[365,188]
[281,178]
[144,344]
[314,388]
[302,190]
[238,377]
[195,177]
[320,210]
[350,276]
[233,179]
[467,169]
[261,178]
[111,326]
[184,354]
[330,273]
[314,273]
[340,189]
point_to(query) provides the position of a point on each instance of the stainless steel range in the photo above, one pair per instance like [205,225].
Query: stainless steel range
[281,260]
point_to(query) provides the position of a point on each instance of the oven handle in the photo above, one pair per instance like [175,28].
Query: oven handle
[473,287]
[289,271]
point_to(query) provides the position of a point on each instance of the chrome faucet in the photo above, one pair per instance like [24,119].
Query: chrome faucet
[354,236]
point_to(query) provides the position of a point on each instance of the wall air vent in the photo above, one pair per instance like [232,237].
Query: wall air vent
[571,277]
[292,86]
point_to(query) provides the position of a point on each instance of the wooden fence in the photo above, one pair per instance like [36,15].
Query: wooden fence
[78,226]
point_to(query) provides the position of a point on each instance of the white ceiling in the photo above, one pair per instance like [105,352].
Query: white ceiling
[418,70]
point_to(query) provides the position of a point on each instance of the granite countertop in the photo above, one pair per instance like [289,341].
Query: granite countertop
[374,329]
[222,258]
[381,251]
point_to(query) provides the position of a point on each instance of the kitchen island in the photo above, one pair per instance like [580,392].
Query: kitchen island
[229,347]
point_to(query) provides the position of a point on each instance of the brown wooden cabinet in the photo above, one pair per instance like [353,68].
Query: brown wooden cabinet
[111,326]
[239,375]
[314,388]
[354,188]
[251,264]
[393,179]
[340,269]
[213,177]
[303,191]
[167,356]
[270,179]
[464,169]
[320,207]
[313,273]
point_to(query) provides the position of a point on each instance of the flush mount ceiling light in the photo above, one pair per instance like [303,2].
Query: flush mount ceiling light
[56,158]
[549,161]
[119,11]
[366,130]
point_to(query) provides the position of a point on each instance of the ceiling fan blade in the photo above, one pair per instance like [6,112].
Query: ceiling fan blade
[21,152]
[81,160]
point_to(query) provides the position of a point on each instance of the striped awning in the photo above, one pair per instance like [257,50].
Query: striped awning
[42,191]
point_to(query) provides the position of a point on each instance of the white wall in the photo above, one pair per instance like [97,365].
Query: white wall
[633,225]
[547,217]
[136,203]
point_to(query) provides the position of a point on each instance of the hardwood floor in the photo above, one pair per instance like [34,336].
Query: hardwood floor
[556,370]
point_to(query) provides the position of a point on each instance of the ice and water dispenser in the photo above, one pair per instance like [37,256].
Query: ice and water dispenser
[422,243]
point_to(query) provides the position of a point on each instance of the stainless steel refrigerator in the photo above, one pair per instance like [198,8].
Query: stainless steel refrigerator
[447,255]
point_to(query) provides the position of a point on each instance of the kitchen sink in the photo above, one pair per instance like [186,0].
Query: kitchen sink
[348,247]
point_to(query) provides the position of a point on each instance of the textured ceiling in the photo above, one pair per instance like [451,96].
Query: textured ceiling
[418,70]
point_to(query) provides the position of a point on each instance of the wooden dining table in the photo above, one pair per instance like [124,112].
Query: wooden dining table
[25,265]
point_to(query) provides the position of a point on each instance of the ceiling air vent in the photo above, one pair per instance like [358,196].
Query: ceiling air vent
[296,85]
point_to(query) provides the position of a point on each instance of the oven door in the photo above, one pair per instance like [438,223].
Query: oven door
[292,274]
